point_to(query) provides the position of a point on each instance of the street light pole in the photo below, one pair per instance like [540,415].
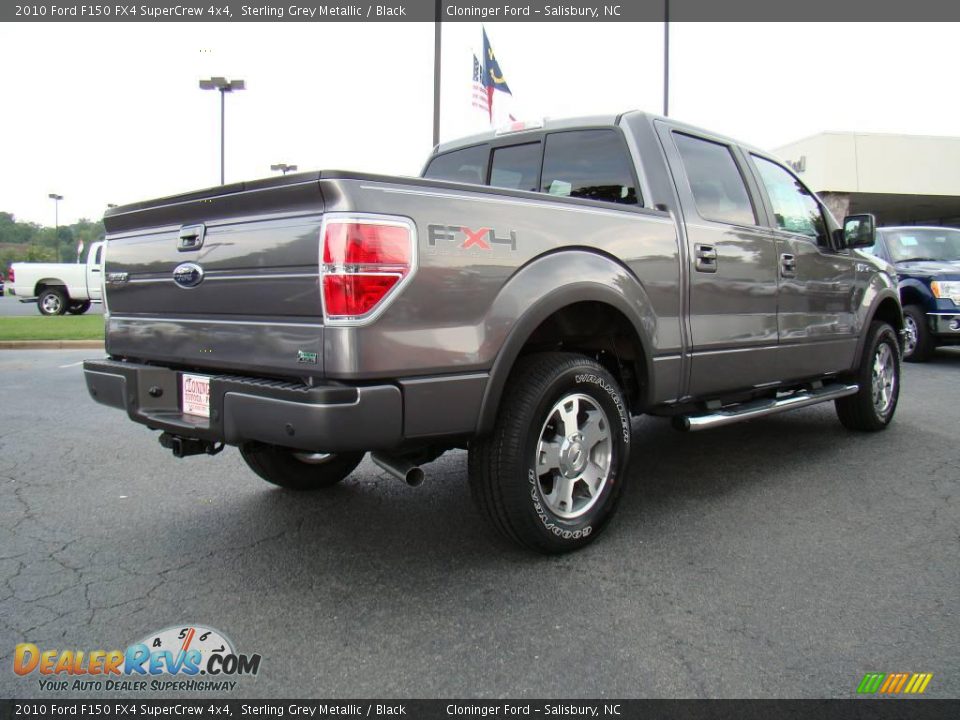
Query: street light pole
[437,47]
[224,86]
[666,58]
[283,167]
[56,220]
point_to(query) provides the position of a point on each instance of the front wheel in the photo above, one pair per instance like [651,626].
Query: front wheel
[297,470]
[79,308]
[918,345]
[549,477]
[872,407]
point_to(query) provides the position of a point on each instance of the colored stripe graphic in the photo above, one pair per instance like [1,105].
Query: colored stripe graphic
[894,683]
[870,683]
[918,683]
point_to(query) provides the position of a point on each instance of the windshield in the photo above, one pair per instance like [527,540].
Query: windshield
[923,244]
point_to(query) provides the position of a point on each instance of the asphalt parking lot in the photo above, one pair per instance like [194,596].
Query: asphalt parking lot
[785,557]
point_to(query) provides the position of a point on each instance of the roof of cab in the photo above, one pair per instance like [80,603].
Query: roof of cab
[548,124]
[585,121]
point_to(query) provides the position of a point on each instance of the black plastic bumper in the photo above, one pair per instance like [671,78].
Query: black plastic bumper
[323,418]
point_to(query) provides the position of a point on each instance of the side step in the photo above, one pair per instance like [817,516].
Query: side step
[759,408]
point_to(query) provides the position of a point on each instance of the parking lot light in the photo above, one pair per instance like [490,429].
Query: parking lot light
[224,86]
[56,219]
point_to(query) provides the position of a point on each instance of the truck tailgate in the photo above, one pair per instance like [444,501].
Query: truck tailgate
[225,278]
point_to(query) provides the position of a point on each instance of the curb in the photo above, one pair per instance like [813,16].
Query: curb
[51,345]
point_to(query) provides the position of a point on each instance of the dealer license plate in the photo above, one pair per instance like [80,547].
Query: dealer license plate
[195,395]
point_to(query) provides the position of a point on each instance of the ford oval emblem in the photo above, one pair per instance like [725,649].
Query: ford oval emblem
[188,275]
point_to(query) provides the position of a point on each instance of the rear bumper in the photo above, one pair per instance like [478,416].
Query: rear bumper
[323,418]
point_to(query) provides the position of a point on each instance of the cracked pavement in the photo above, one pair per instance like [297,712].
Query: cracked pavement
[784,557]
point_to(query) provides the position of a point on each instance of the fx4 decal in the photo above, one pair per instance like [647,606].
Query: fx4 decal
[483,238]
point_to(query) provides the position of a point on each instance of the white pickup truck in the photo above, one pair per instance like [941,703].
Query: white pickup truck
[59,287]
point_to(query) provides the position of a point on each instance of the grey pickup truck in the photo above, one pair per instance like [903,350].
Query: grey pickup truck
[522,299]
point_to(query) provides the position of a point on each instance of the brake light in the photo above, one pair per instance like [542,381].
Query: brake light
[365,260]
[10,277]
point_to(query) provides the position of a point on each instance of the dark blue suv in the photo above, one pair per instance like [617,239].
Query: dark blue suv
[927,260]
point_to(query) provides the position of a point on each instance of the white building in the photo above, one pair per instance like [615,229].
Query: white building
[902,179]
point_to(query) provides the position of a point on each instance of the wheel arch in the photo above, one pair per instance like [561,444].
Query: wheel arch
[886,307]
[45,283]
[914,292]
[604,291]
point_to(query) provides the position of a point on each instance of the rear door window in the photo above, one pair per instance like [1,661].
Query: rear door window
[715,181]
[590,164]
[468,165]
[516,167]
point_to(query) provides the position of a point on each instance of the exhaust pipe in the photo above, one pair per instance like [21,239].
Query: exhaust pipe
[405,470]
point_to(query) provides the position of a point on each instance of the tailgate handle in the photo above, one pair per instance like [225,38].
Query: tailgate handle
[191,237]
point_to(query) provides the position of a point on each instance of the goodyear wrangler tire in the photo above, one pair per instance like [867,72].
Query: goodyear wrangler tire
[550,474]
[295,470]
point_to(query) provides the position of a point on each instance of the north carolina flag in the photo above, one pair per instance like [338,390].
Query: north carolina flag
[488,80]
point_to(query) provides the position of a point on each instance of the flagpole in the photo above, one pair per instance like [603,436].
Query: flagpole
[436,73]
[666,58]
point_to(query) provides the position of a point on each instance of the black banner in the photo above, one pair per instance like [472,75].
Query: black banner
[853,709]
[476,10]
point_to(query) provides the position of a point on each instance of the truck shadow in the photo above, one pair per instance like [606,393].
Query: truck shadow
[945,357]
[374,515]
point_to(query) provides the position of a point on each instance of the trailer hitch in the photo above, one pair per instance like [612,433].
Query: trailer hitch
[185,446]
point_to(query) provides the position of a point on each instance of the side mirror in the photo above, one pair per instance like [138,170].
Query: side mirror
[859,231]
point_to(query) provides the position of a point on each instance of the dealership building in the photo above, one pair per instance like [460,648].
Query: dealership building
[902,179]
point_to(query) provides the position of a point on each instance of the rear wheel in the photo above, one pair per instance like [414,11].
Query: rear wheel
[297,470]
[549,477]
[52,301]
[918,345]
[873,406]
[79,308]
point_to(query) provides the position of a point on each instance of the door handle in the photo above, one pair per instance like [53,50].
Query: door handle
[788,265]
[706,258]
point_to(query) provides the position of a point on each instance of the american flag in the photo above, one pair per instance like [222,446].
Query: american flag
[480,98]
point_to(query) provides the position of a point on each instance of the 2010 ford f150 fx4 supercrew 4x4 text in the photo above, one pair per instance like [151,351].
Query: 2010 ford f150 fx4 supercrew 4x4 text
[522,299]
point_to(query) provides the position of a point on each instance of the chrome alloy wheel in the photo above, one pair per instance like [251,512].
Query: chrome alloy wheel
[910,339]
[883,383]
[52,304]
[574,456]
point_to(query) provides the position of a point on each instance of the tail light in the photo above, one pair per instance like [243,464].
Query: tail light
[10,277]
[365,260]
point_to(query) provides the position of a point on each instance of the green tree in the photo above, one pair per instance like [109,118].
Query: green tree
[39,243]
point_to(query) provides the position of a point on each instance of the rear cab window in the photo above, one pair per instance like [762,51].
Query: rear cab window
[468,165]
[516,167]
[588,164]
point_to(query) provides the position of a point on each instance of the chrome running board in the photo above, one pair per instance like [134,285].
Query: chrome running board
[759,408]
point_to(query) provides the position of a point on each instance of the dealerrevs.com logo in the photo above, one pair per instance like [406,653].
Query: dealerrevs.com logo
[183,658]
